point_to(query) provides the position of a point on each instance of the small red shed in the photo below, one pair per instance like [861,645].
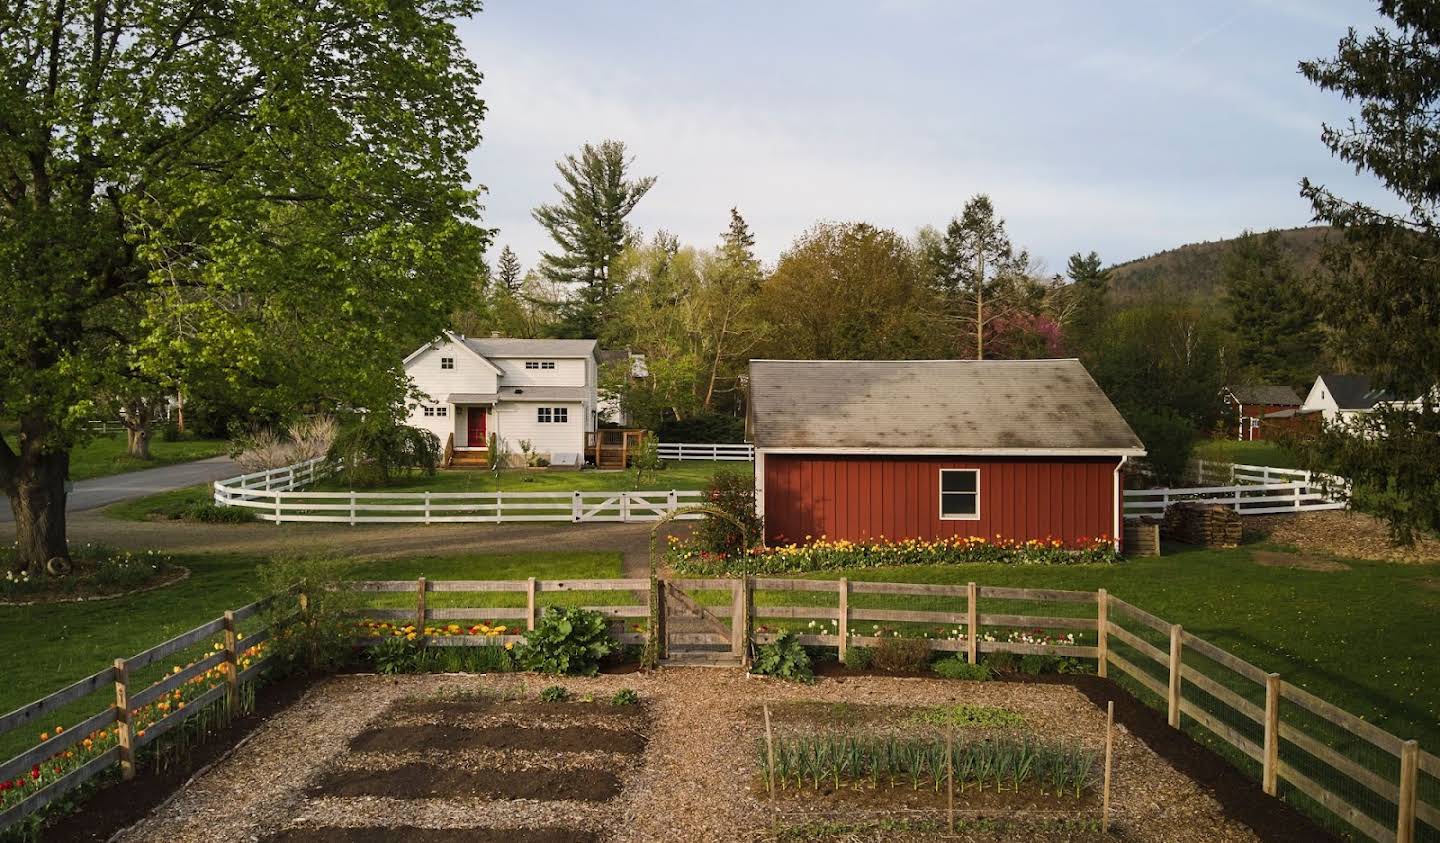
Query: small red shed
[1019,449]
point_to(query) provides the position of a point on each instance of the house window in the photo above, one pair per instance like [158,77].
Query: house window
[552,415]
[427,411]
[442,411]
[959,494]
[539,364]
[447,362]
[431,412]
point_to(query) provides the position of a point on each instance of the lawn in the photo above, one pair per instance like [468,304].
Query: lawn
[105,455]
[1245,453]
[690,474]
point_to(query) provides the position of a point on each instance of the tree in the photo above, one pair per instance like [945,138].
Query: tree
[265,203]
[1090,288]
[977,271]
[727,295]
[589,226]
[1272,313]
[507,272]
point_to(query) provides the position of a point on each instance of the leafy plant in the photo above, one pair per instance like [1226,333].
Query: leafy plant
[554,694]
[645,460]
[396,654]
[208,513]
[567,641]
[901,655]
[957,668]
[378,448]
[625,696]
[785,658]
[966,715]
[859,658]
[734,493]
[315,635]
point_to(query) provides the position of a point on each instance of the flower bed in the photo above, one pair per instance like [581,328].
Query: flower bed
[827,555]
[98,571]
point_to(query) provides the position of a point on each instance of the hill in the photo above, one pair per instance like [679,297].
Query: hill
[1194,269]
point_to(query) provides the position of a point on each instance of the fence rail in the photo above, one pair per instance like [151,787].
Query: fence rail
[739,452]
[1257,499]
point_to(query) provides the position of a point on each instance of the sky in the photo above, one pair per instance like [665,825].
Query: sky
[1121,127]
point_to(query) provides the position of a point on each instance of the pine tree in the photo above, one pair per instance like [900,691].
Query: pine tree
[1090,283]
[508,272]
[976,269]
[737,248]
[1272,312]
[588,225]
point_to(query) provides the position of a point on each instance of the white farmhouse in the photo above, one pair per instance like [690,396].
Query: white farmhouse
[537,391]
[1342,397]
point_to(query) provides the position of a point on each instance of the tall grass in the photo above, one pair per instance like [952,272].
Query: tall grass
[1004,763]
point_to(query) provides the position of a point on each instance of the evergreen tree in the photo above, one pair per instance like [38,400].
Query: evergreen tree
[589,228]
[508,273]
[1090,289]
[976,270]
[737,248]
[1272,312]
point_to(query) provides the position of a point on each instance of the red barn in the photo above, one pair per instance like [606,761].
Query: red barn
[1021,449]
[1254,402]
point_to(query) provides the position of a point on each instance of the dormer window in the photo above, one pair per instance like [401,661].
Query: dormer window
[447,362]
[539,364]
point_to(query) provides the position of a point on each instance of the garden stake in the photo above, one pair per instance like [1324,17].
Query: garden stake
[950,775]
[770,753]
[1109,755]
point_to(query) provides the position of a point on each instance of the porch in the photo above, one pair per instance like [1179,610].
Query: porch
[611,447]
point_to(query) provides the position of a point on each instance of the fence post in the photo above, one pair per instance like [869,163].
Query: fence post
[1270,775]
[576,507]
[1174,695]
[530,588]
[499,506]
[625,507]
[232,668]
[672,503]
[427,506]
[662,635]
[737,616]
[123,733]
[420,606]
[972,622]
[352,507]
[1102,632]
[1297,497]
[278,496]
[1409,774]
[749,605]
[844,618]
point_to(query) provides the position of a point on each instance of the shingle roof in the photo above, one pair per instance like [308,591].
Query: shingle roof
[1264,393]
[515,347]
[1353,392]
[1044,405]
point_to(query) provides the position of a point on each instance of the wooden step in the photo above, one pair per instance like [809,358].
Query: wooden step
[691,658]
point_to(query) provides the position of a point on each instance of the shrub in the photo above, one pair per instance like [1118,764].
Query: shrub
[645,460]
[396,654]
[321,637]
[785,658]
[1002,662]
[957,668]
[703,427]
[734,494]
[859,658]
[697,557]
[567,641]
[377,449]
[554,694]
[209,513]
[625,696]
[901,655]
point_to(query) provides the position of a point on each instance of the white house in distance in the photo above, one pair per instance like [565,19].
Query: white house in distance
[540,391]
[1342,397]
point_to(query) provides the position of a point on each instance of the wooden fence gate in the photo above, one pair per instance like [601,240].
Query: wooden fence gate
[703,633]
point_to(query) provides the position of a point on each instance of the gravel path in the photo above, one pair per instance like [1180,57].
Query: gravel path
[692,783]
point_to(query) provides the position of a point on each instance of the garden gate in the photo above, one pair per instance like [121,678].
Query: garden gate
[699,631]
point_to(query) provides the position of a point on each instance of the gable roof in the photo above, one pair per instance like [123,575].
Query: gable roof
[1264,393]
[1353,392]
[456,339]
[945,406]
[516,347]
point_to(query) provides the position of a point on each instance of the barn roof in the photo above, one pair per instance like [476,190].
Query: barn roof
[960,406]
[1264,393]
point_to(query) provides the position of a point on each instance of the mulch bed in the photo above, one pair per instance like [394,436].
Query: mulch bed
[411,834]
[428,781]
[121,804]
[401,739]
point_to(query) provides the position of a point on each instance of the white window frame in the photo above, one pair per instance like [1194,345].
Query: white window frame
[447,362]
[442,411]
[540,364]
[542,415]
[552,415]
[427,411]
[940,501]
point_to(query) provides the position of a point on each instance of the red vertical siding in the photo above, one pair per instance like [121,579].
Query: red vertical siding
[865,497]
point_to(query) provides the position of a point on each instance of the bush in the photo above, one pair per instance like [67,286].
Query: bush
[377,449]
[901,655]
[554,694]
[625,696]
[957,668]
[396,654]
[697,559]
[734,494]
[1169,441]
[321,637]
[567,641]
[859,658]
[785,658]
[209,513]
[705,427]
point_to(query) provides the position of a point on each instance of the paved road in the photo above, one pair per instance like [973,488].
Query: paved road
[103,491]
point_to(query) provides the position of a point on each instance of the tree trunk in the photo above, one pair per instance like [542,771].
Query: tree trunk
[38,501]
[137,429]
[980,307]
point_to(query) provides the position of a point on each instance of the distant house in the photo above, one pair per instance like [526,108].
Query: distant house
[1011,449]
[536,391]
[610,409]
[1342,397]
[1250,404]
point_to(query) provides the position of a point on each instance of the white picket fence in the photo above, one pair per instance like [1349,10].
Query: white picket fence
[273,497]
[739,452]
[1247,499]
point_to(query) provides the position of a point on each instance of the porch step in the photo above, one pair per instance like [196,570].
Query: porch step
[470,459]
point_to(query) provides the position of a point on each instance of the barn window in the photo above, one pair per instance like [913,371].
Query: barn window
[447,362]
[959,494]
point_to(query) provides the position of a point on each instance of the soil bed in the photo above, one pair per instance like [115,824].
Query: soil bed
[410,834]
[398,739]
[427,781]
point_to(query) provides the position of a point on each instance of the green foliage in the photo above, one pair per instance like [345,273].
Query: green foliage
[785,658]
[1273,313]
[94,569]
[1169,441]
[395,654]
[956,667]
[318,638]
[703,427]
[645,461]
[967,716]
[554,694]
[1090,286]
[567,641]
[859,658]
[897,654]
[734,494]
[208,512]
[380,448]
[625,696]
[977,272]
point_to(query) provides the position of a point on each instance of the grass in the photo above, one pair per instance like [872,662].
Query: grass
[105,454]
[1245,453]
[677,475]
[162,505]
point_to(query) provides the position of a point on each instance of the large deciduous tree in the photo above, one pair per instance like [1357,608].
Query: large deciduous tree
[589,228]
[262,200]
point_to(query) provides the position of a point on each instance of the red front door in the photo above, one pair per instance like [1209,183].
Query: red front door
[475,427]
